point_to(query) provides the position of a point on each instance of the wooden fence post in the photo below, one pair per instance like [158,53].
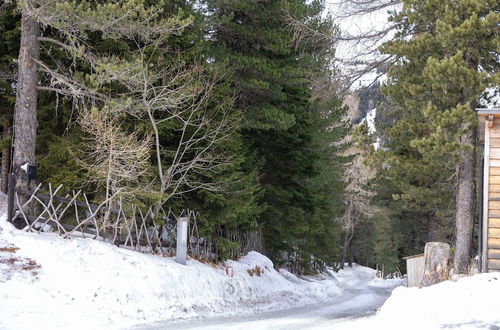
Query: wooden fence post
[182,237]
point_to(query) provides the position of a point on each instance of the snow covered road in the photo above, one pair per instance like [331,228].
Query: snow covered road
[352,304]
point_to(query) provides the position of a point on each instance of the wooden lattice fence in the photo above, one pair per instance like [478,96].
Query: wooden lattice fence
[151,230]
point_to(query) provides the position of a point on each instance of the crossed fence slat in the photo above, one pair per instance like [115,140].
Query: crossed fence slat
[133,228]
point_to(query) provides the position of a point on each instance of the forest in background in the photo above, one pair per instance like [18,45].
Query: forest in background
[234,108]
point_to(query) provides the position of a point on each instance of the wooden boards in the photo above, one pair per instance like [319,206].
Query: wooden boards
[491,191]
[495,130]
[494,254]
[494,152]
[493,222]
[415,270]
[494,243]
[486,193]
[494,232]
[494,264]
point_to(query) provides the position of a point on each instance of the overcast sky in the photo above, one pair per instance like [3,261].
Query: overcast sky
[355,25]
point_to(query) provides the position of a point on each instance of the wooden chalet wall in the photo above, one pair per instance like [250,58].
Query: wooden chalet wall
[491,190]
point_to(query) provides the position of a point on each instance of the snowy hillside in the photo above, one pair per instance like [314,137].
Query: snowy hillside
[370,122]
[82,283]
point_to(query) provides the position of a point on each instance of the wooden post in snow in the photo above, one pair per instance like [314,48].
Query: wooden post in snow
[436,255]
[182,237]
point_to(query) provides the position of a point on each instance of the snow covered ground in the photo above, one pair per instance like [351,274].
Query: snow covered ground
[362,295]
[81,283]
[469,303]
[370,122]
[48,282]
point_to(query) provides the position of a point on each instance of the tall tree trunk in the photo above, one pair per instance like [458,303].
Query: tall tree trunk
[465,205]
[6,156]
[348,235]
[25,122]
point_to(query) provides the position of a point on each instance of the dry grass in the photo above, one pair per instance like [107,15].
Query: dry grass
[257,271]
[20,265]
[206,262]
[17,264]
[9,249]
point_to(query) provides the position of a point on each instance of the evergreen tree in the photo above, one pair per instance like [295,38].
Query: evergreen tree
[60,139]
[272,73]
[429,156]
[9,49]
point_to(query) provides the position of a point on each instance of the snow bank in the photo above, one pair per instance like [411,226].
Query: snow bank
[469,303]
[82,283]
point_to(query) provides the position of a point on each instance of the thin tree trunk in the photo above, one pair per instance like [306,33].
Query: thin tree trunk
[25,122]
[6,157]
[348,235]
[432,228]
[465,205]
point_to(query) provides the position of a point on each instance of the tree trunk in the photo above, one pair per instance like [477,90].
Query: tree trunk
[346,251]
[432,228]
[25,122]
[436,255]
[465,205]
[6,157]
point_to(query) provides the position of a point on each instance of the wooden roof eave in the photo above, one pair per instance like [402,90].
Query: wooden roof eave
[486,116]
[484,112]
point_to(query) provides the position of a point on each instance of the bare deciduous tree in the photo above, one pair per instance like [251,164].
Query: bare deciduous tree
[116,159]
[363,28]
[357,199]
[182,100]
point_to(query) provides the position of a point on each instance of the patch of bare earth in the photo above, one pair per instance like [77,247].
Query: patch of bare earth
[11,264]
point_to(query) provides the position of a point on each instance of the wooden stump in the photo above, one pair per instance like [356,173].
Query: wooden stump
[436,255]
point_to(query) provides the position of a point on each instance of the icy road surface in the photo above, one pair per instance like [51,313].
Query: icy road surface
[351,305]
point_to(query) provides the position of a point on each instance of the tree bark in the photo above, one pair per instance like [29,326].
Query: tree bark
[6,156]
[465,205]
[436,255]
[432,228]
[348,234]
[25,121]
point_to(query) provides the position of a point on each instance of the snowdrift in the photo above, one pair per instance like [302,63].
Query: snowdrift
[469,303]
[86,284]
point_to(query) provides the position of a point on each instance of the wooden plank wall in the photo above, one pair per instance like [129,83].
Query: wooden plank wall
[415,270]
[493,225]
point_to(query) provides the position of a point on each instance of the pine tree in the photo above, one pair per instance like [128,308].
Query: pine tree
[432,90]
[273,70]
[9,49]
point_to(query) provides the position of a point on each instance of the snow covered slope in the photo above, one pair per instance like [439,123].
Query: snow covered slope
[370,122]
[469,303]
[85,284]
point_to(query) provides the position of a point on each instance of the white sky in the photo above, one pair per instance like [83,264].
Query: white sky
[357,25]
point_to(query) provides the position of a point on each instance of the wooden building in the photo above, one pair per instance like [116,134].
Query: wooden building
[414,269]
[489,134]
